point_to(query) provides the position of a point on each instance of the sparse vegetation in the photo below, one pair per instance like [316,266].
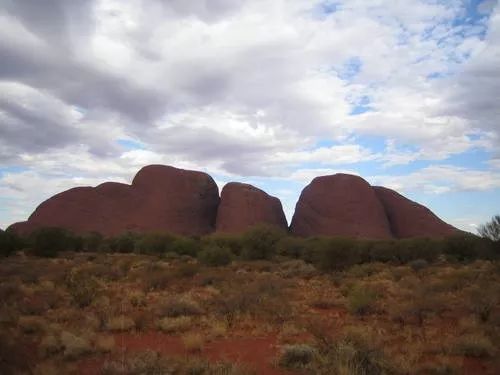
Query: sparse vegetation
[311,306]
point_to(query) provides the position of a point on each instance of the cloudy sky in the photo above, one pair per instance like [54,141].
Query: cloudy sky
[405,93]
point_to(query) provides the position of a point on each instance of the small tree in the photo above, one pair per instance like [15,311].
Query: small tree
[491,229]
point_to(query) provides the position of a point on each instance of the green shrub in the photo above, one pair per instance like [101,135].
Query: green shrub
[332,254]
[292,247]
[296,356]
[10,242]
[411,249]
[468,247]
[360,299]
[232,242]
[154,243]
[82,287]
[93,241]
[474,345]
[176,307]
[48,242]
[418,264]
[184,246]
[214,255]
[260,242]
[124,243]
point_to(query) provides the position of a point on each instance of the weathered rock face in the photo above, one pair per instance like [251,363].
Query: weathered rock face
[410,219]
[161,198]
[243,206]
[340,205]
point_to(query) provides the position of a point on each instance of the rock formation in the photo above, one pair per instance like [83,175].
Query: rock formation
[410,219]
[340,205]
[161,198]
[168,199]
[243,206]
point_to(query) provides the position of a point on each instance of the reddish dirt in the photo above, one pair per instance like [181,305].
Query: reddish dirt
[256,353]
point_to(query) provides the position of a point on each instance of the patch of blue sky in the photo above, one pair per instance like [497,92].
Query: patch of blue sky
[324,8]
[361,107]
[460,204]
[12,169]
[350,68]
[130,144]
[471,159]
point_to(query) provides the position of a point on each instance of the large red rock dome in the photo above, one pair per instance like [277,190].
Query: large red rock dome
[243,206]
[340,205]
[161,198]
[410,219]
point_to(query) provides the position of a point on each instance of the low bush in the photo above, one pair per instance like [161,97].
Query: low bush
[154,243]
[48,242]
[124,243]
[360,299]
[176,307]
[332,254]
[296,356]
[120,323]
[10,242]
[474,345]
[193,342]
[82,287]
[184,246]
[260,242]
[172,325]
[74,346]
[215,255]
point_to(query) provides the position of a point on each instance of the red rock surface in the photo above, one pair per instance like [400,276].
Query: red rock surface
[243,206]
[340,205]
[410,219]
[161,198]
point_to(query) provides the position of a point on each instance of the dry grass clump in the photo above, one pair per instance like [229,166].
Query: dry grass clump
[361,299]
[120,323]
[82,287]
[137,298]
[173,325]
[31,324]
[218,328]
[104,343]
[474,345]
[156,279]
[193,342]
[50,345]
[74,346]
[297,356]
[179,306]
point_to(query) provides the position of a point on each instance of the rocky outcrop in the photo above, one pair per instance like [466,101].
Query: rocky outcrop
[410,219]
[340,205]
[243,206]
[168,199]
[161,198]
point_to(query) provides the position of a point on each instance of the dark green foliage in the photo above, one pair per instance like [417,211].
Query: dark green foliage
[48,242]
[331,254]
[154,243]
[293,247]
[184,246]
[232,242]
[468,247]
[93,242]
[10,242]
[123,244]
[214,255]
[260,242]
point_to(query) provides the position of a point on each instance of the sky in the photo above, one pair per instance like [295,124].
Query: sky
[405,94]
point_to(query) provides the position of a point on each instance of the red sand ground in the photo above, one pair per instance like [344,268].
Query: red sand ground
[255,353]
